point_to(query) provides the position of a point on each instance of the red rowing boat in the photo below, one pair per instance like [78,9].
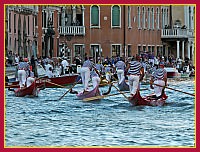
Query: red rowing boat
[137,100]
[32,90]
[62,80]
[92,93]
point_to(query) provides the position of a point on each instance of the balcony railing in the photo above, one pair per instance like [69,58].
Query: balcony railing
[71,30]
[177,33]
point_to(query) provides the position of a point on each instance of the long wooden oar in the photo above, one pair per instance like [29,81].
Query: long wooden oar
[120,91]
[69,89]
[175,89]
[12,86]
[100,97]
[55,84]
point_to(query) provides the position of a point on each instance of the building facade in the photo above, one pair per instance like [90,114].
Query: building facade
[179,38]
[100,30]
[20,30]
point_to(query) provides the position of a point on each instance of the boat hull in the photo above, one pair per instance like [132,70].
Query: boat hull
[62,81]
[137,100]
[92,93]
[172,72]
[32,90]
[123,86]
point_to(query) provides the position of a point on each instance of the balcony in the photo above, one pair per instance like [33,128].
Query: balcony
[177,33]
[71,30]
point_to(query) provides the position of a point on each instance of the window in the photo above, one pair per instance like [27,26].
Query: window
[44,20]
[190,17]
[144,48]
[79,51]
[153,49]
[116,18]
[95,52]
[129,50]
[138,11]
[94,15]
[15,45]
[9,22]
[152,12]
[158,19]
[149,18]
[33,24]
[52,18]
[28,25]
[129,16]
[116,51]
[14,23]
[143,17]
[149,49]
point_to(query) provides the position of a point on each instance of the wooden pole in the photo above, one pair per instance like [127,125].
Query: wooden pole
[174,89]
[69,89]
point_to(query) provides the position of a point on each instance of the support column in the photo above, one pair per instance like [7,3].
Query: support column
[183,51]
[192,58]
[83,15]
[74,14]
[188,49]
[178,49]
[63,16]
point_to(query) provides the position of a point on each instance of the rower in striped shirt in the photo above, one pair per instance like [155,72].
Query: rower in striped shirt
[85,72]
[135,75]
[159,77]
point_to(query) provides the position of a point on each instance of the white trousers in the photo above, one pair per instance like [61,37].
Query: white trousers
[108,76]
[22,78]
[85,76]
[95,81]
[133,83]
[29,81]
[158,89]
[120,75]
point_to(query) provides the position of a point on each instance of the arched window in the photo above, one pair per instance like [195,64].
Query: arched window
[149,18]
[157,18]
[189,17]
[129,16]
[163,19]
[116,20]
[152,13]
[143,17]
[138,14]
[95,16]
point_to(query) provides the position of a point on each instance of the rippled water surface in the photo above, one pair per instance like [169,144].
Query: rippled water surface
[46,121]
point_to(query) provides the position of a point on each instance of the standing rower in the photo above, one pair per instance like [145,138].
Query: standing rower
[85,72]
[159,79]
[135,75]
[120,68]
[95,78]
[23,71]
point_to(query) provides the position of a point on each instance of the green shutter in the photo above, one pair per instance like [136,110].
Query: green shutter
[95,16]
[115,16]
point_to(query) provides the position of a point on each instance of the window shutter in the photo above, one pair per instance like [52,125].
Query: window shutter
[95,16]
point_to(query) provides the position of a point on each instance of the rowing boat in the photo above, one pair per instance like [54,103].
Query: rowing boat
[137,100]
[32,90]
[123,86]
[88,94]
[62,80]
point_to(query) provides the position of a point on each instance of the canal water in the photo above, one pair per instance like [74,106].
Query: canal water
[112,122]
